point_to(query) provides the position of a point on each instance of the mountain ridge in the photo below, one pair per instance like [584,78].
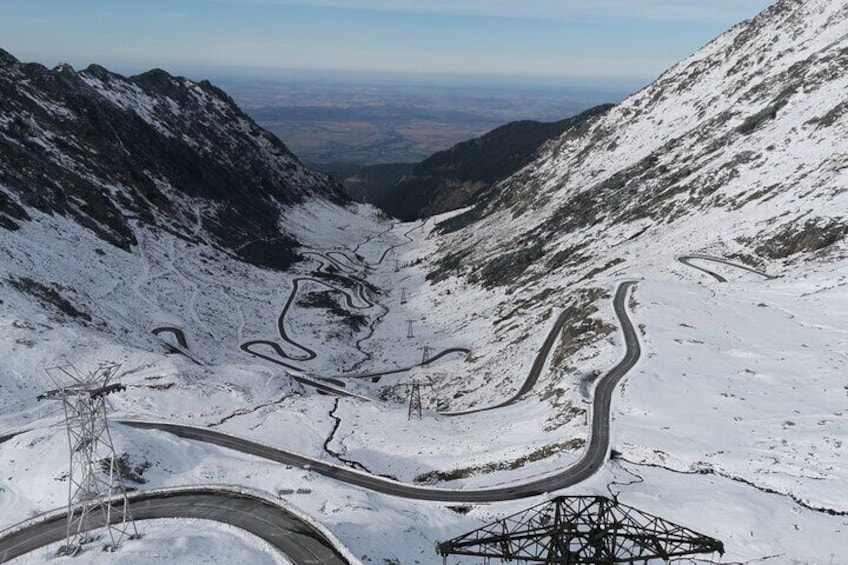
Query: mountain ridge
[102,147]
[453,178]
[700,138]
[737,401]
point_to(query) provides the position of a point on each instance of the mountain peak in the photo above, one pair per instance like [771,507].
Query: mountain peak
[64,69]
[7,59]
[101,73]
[159,81]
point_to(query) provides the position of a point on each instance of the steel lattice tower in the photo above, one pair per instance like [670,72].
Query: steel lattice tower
[414,401]
[96,497]
[573,530]
[415,411]
[425,355]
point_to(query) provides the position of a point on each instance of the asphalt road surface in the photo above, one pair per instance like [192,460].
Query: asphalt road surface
[178,334]
[592,459]
[302,543]
[296,538]
[686,260]
[535,370]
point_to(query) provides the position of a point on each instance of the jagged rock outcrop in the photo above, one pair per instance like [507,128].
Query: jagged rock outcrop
[108,150]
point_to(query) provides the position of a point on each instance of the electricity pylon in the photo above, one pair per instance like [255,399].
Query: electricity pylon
[414,401]
[581,530]
[96,497]
[425,356]
[415,411]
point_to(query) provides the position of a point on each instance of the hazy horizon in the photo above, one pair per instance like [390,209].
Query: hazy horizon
[598,42]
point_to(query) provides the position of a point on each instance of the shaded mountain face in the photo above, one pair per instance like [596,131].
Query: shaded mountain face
[740,148]
[376,184]
[108,150]
[452,179]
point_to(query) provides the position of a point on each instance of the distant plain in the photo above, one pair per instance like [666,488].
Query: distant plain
[345,124]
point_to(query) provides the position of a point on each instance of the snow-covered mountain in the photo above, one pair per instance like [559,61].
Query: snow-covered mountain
[732,423]
[748,132]
[739,152]
[164,150]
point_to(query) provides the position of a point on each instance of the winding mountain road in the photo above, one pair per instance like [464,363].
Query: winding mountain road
[308,354]
[406,235]
[591,460]
[305,545]
[301,542]
[332,384]
[179,335]
[532,377]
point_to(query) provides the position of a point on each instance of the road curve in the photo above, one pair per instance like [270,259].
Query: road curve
[178,334]
[463,350]
[532,377]
[182,342]
[591,460]
[406,235]
[308,354]
[301,542]
[687,260]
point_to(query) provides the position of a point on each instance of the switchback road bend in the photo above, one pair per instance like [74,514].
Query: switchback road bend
[301,542]
[687,260]
[592,459]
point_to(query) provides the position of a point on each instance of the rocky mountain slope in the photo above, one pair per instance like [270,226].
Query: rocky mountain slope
[748,130]
[164,150]
[453,178]
[374,183]
[737,151]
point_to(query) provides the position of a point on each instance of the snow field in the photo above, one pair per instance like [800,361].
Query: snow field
[175,541]
[255,399]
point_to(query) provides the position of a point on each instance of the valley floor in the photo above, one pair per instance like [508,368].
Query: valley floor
[732,423]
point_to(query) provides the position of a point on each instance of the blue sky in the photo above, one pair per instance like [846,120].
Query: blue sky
[589,40]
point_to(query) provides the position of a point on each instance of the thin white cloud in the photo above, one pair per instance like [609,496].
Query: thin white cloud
[563,10]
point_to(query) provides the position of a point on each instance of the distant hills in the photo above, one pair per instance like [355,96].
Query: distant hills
[452,179]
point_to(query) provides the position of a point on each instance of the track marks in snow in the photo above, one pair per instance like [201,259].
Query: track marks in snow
[707,469]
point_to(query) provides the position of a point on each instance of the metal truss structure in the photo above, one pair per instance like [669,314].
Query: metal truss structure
[581,530]
[414,401]
[426,350]
[97,502]
[415,411]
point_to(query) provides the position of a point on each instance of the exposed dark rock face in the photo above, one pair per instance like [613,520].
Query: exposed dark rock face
[452,179]
[106,150]
[375,184]
[813,235]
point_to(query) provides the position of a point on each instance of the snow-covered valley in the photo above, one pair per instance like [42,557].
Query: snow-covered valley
[228,312]
[740,392]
